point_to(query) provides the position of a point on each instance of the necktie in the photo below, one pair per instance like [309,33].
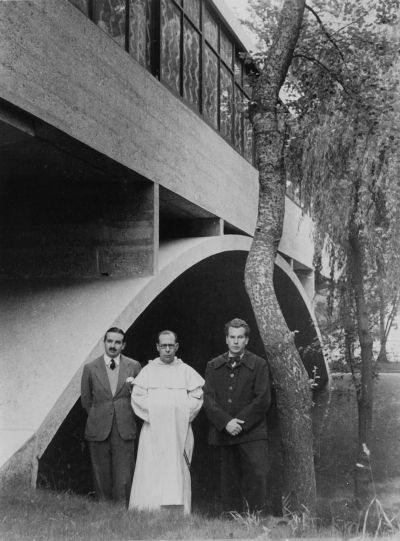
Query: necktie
[234,361]
[112,364]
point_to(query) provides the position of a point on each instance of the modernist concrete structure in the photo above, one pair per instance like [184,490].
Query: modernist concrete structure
[128,198]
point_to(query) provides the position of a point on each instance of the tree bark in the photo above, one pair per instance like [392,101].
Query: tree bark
[293,391]
[365,392]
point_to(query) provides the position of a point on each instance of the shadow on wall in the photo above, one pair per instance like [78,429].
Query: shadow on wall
[196,306]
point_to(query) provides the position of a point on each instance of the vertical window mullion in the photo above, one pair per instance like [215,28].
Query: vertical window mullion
[156,39]
[181,45]
[234,93]
[242,116]
[90,9]
[219,81]
[127,25]
[201,62]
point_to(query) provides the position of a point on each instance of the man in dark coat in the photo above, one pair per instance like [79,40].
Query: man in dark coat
[110,427]
[236,399]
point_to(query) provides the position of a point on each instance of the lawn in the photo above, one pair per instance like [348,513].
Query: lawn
[46,515]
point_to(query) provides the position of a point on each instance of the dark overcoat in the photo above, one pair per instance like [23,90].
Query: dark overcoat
[101,405]
[243,393]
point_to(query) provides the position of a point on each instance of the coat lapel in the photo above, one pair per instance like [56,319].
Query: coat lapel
[101,373]
[123,374]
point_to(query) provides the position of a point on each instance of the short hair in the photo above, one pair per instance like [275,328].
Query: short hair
[237,323]
[166,331]
[117,330]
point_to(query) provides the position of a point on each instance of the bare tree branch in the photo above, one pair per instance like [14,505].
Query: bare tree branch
[325,68]
[325,31]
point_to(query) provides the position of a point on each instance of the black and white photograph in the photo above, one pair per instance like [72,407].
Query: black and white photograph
[200,270]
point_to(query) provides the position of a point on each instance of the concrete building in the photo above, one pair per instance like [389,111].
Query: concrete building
[129,198]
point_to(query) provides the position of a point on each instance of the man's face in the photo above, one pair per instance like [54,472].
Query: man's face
[167,347]
[236,340]
[114,344]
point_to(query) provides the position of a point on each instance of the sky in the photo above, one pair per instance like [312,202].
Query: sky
[237,6]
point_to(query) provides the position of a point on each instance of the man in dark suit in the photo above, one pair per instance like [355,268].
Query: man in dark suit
[110,427]
[236,399]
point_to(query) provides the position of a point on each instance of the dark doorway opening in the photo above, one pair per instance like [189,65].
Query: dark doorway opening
[196,306]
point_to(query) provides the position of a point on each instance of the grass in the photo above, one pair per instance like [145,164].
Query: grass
[44,515]
[336,435]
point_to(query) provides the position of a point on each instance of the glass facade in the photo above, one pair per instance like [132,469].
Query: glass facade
[186,45]
[110,16]
[140,31]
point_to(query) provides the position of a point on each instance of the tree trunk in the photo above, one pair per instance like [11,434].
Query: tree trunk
[365,394]
[382,357]
[290,379]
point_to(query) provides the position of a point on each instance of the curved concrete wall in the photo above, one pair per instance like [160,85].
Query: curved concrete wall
[54,328]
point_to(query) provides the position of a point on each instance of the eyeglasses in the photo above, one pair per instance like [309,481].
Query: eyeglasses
[165,346]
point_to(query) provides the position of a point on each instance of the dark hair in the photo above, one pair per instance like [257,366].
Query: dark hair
[166,332]
[237,323]
[117,330]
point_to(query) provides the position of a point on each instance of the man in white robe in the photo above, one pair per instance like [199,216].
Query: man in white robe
[167,395]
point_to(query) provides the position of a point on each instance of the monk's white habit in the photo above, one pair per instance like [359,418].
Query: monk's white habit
[167,397]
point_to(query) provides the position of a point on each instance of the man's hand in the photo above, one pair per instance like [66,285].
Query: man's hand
[234,427]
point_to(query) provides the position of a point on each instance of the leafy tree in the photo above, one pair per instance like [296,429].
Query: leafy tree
[339,136]
[290,379]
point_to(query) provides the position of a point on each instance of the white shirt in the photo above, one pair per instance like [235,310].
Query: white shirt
[107,360]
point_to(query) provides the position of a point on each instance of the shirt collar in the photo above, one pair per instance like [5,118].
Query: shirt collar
[107,360]
[230,355]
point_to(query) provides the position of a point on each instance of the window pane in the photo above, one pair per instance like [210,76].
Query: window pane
[238,127]
[210,101]
[82,5]
[139,31]
[248,134]
[192,8]
[210,28]
[226,101]
[191,64]
[226,49]
[109,15]
[238,70]
[170,40]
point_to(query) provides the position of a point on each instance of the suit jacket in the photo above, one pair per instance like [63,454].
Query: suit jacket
[246,396]
[101,406]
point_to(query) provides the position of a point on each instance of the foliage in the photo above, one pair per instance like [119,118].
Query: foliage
[342,128]
[342,92]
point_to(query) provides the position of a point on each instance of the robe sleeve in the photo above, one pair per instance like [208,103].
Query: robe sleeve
[140,396]
[140,402]
[195,402]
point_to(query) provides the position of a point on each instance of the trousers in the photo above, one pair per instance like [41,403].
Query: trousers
[113,464]
[244,469]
